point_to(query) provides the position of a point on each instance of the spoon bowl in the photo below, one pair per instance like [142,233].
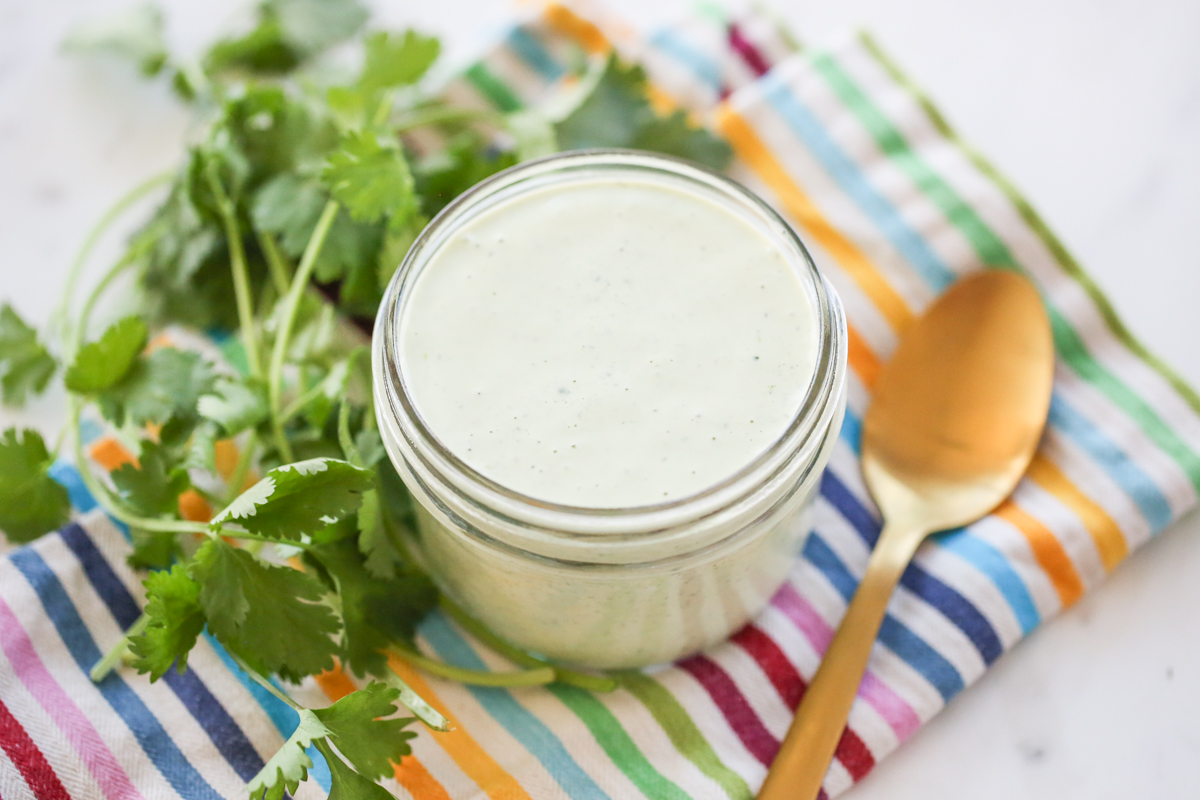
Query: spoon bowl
[955,419]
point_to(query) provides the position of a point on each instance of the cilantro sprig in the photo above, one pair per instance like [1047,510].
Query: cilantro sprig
[257,487]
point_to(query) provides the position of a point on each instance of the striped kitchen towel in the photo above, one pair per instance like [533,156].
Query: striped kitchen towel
[894,208]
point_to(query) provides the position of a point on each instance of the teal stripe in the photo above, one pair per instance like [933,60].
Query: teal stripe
[700,63]
[992,252]
[530,50]
[533,734]
[992,563]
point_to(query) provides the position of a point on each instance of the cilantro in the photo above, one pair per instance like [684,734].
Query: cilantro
[151,488]
[287,33]
[346,783]
[235,405]
[371,744]
[100,364]
[153,549]
[370,176]
[617,113]
[397,60]
[467,159]
[31,502]
[299,498]
[25,365]
[289,207]
[175,621]
[290,764]
[135,34]
[268,615]
[314,25]
[376,612]
[166,383]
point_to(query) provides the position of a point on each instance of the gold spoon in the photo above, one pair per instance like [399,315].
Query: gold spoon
[954,422]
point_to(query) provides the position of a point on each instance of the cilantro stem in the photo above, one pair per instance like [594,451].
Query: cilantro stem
[237,262]
[476,677]
[263,682]
[441,114]
[276,262]
[86,314]
[117,652]
[301,402]
[344,438]
[416,704]
[62,313]
[594,683]
[254,537]
[284,333]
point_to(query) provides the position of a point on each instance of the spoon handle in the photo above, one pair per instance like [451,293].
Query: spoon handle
[807,750]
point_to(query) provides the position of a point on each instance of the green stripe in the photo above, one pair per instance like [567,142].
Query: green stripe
[683,733]
[616,743]
[1034,221]
[492,87]
[993,252]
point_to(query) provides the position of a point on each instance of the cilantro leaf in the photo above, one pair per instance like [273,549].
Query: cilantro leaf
[314,25]
[269,615]
[376,612]
[151,488]
[176,620]
[299,498]
[617,113]
[153,549]
[168,382]
[467,159]
[346,784]
[31,502]
[370,176]
[100,364]
[290,764]
[265,49]
[235,405]
[289,206]
[369,743]
[25,365]
[135,34]
[397,59]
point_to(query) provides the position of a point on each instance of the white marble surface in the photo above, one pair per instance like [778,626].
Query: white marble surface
[1092,108]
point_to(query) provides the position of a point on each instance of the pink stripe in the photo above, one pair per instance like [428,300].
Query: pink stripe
[70,719]
[734,706]
[746,49]
[891,706]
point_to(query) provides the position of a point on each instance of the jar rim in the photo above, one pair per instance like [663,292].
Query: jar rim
[820,392]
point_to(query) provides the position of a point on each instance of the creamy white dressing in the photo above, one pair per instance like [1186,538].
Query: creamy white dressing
[608,343]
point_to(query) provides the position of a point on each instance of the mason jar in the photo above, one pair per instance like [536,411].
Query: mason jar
[610,587]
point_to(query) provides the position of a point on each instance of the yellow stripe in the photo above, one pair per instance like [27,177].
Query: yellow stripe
[1103,529]
[755,153]
[410,773]
[472,759]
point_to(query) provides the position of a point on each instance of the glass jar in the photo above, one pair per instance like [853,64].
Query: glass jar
[612,587]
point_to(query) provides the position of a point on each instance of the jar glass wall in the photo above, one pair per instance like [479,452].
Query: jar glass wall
[598,586]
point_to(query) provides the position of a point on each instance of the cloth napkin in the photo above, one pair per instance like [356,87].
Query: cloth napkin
[894,208]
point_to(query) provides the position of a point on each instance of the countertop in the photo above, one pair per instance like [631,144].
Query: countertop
[1091,108]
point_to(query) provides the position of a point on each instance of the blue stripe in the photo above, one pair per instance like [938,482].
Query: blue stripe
[146,728]
[991,562]
[1123,470]
[283,716]
[66,474]
[911,648]
[516,719]
[847,174]
[533,53]
[221,728]
[851,432]
[952,605]
[700,64]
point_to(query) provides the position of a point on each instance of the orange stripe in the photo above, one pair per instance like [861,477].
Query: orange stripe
[755,153]
[193,507]
[1107,536]
[566,22]
[472,759]
[1048,551]
[862,359]
[110,454]
[225,457]
[410,773]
